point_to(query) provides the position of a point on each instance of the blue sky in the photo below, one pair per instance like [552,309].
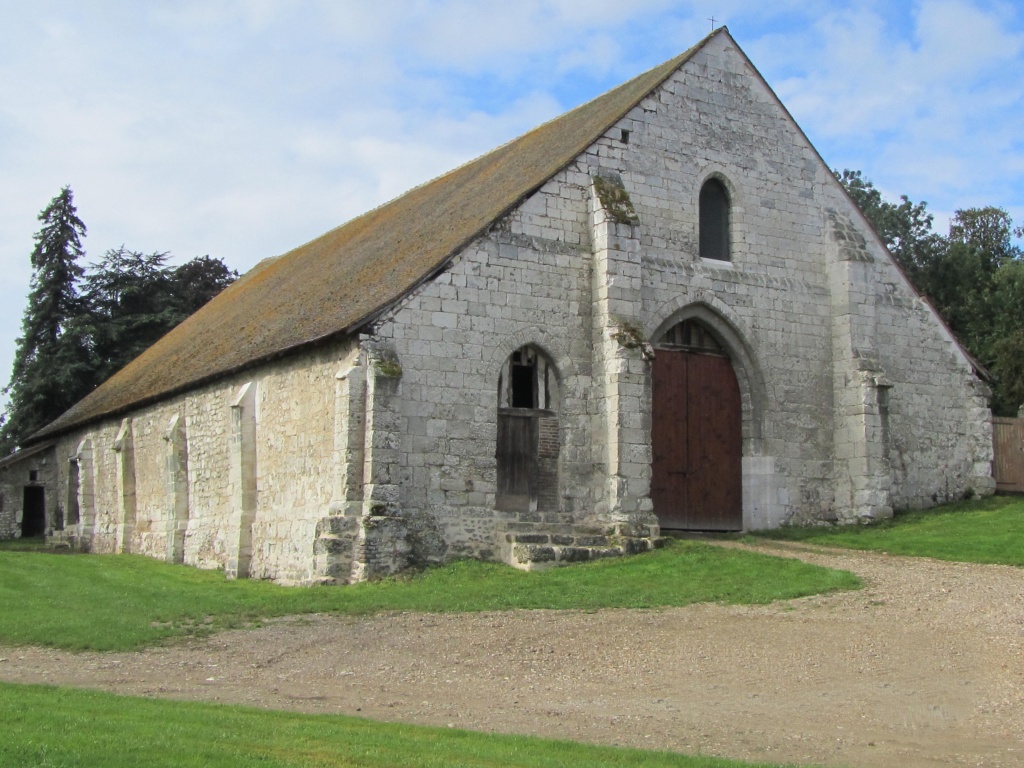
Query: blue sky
[243,128]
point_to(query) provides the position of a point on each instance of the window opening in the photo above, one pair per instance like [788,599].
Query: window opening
[33,476]
[714,221]
[74,484]
[524,379]
[528,434]
[883,412]
[694,336]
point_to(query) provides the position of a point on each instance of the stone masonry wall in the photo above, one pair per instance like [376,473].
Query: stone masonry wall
[293,453]
[295,446]
[14,477]
[772,305]
[10,527]
[452,339]
[773,298]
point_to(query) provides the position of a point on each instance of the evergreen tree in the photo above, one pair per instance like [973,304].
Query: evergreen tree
[133,299]
[51,365]
[128,302]
[73,342]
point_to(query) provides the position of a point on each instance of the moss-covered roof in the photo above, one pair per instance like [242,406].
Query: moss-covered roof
[337,282]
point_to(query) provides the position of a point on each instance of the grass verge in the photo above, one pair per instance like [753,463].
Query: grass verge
[989,530]
[53,727]
[32,544]
[122,602]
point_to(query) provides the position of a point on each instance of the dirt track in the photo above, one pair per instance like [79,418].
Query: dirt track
[924,667]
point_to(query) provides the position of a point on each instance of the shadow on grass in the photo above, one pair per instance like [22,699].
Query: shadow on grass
[33,544]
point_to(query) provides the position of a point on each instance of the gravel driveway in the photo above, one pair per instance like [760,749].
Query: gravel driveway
[924,667]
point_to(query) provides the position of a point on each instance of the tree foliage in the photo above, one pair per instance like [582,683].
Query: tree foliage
[974,277]
[51,362]
[133,298]
[905,227]
[80,327]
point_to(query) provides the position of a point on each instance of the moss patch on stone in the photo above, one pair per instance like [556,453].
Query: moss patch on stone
[615,200]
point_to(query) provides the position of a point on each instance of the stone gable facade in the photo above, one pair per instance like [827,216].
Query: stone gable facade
[524,403]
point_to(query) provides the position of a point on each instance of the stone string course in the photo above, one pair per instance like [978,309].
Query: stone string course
[377,452]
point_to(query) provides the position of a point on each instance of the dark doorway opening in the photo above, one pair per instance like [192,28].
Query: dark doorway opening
[696,482]
[33,515]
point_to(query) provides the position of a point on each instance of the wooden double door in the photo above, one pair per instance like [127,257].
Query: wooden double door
[696,481]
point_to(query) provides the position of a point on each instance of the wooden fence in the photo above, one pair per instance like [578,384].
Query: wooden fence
[1008,444]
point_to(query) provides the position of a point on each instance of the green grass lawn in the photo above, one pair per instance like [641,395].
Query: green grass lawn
[53,727]
[33,544]
[989,530]
[121,602]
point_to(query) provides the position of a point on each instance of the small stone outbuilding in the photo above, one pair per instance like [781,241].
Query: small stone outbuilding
[658,311]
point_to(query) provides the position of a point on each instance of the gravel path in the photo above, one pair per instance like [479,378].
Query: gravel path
[924,667]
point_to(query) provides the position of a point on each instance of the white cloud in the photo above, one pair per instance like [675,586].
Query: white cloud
[935,108]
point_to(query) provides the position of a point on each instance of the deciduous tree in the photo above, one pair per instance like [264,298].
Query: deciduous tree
[974,277]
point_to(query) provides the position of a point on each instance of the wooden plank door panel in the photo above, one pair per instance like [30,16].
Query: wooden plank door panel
[669,444]
[714,502]
[517,461]
[696,442]
[1008,448]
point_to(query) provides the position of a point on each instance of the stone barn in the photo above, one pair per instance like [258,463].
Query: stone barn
[659,311]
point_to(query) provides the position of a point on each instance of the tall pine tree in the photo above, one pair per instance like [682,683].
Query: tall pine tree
[51,363]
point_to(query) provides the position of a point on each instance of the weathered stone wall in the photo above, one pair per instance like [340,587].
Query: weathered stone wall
[919,429]
[770,304]
[813,449]
[10,527]
[452,339]
[295,445]
[938,437]
[779,308]
[166,470]
[37,470]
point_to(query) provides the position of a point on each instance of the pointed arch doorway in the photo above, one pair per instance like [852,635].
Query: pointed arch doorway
[696,435]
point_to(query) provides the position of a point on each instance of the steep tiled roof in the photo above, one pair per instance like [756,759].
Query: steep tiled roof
[337,282]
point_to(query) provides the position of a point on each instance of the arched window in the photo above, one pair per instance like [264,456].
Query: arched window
[691,335]
[528,436]
[714,221]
